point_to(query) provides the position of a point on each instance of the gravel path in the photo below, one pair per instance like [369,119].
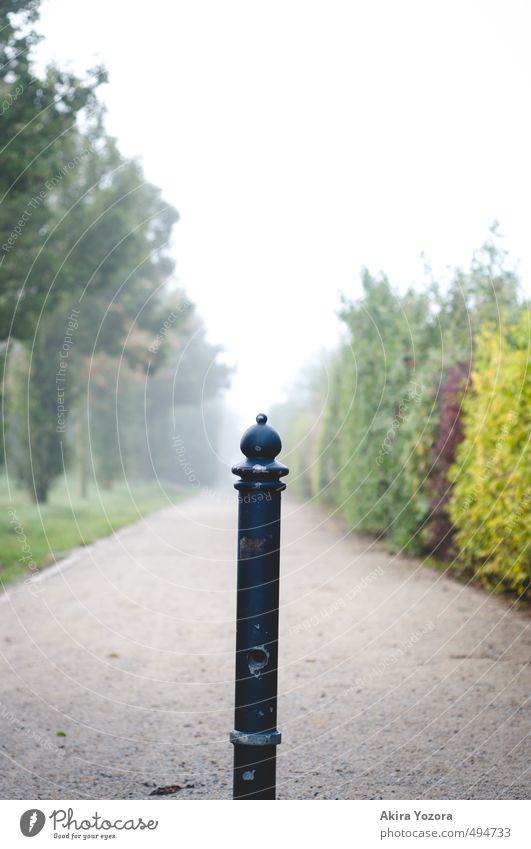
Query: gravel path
[395,682]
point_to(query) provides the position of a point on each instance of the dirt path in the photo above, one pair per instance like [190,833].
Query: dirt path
[395,682]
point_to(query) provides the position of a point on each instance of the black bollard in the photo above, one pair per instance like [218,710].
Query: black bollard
[255,737]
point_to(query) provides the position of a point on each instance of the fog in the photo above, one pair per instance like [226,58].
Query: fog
[300,142]
[316,211]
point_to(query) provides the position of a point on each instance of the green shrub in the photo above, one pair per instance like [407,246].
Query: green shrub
[378,439]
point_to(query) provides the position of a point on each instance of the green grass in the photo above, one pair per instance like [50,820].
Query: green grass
[34,536]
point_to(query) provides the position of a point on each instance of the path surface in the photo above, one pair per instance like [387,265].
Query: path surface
[396,682]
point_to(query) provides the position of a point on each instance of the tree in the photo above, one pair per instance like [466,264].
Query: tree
[110,254]
[85,272]
[39,449]
[38,146]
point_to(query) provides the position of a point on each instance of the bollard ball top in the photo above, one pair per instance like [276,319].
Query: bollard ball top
[260,470]
[261,441]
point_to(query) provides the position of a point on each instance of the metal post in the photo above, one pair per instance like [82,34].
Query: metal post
[255,737]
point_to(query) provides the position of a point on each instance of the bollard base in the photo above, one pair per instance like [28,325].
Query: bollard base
[256,738]
[254,772]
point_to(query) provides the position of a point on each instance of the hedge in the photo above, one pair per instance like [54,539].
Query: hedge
[490,504]
[396,427]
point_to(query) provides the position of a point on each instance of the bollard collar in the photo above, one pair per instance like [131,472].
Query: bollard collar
[260,444]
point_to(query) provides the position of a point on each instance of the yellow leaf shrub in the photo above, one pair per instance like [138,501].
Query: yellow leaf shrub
[491,499]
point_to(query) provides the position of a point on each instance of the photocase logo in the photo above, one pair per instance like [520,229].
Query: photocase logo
[31,822]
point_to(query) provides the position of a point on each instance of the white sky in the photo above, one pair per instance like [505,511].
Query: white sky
[300,140]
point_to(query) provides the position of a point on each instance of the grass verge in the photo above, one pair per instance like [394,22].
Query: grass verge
[33,536]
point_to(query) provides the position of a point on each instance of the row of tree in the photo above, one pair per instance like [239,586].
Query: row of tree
[416,427]
[104,358]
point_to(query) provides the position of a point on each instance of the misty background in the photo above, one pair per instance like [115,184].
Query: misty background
[300,142]
[207,212]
